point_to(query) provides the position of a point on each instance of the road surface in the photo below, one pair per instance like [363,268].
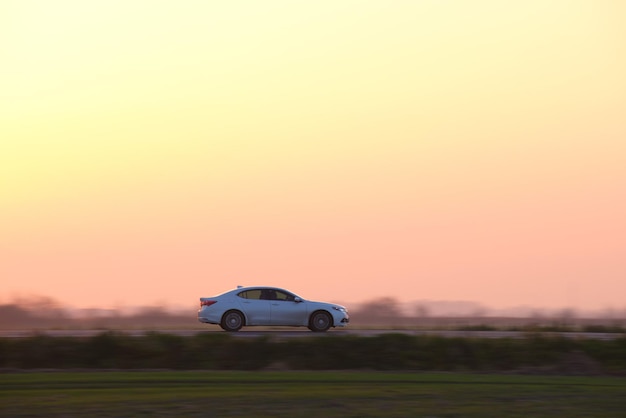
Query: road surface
[301,333]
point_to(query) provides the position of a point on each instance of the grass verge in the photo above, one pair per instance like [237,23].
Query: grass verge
[306,394]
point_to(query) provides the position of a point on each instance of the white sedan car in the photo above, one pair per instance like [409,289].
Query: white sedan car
[260,305]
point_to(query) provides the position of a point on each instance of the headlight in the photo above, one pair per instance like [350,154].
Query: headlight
[337,308]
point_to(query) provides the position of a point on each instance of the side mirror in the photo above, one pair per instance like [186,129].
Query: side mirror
[297,299]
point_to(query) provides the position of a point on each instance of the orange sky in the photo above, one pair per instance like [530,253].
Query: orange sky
[156,152]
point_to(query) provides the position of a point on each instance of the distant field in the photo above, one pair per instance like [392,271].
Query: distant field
[306,394]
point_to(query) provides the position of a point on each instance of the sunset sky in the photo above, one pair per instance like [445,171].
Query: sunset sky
[158,151]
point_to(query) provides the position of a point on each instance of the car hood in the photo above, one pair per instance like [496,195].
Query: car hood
[326,305]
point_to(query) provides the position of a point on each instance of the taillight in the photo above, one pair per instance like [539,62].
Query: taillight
[207,302]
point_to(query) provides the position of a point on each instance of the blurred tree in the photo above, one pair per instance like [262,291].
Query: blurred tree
[382,311]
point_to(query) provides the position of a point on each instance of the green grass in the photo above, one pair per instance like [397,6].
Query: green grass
[307,394]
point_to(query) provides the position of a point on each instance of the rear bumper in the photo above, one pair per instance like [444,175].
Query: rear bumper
[207,317]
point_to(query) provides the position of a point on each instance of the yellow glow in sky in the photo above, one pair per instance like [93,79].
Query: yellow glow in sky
[451,150]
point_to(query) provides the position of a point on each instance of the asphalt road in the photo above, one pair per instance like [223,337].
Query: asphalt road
[302,333]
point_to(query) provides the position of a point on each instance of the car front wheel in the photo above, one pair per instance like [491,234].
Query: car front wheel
[232,321]
[320,321]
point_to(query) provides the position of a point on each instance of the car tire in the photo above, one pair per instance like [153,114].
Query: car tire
[320,321]
[232,321]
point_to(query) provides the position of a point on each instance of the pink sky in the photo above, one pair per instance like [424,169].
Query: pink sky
[424,151]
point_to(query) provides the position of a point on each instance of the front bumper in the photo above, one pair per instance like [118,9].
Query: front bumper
[341,320]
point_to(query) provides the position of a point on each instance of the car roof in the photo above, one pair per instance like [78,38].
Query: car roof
[244,288]
[241,288]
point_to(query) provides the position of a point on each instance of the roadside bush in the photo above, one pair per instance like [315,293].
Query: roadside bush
[221,351]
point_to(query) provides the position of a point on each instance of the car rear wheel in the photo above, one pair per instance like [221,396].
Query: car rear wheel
[320,321]
[232,321]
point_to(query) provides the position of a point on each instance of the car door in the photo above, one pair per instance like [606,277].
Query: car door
[257,310]
[285,311]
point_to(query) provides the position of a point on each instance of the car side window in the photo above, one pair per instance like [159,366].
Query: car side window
[250,294]
[286,297]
